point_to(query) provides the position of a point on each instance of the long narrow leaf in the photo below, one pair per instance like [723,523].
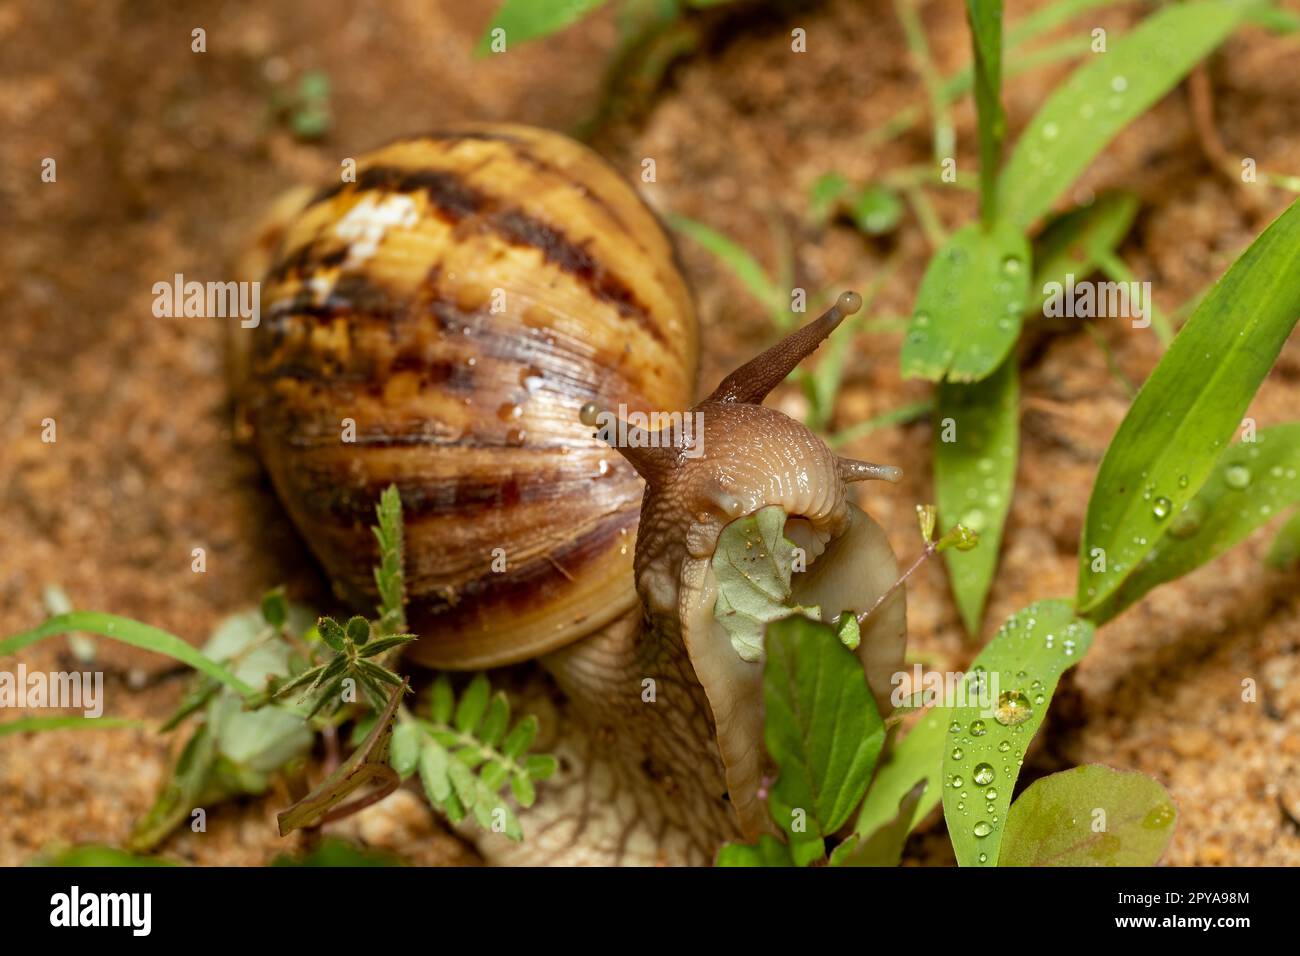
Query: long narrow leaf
[1103,96]
[974,475]
[1251,484]
[987,740]
[985,18]
[1189,408]
[128,632]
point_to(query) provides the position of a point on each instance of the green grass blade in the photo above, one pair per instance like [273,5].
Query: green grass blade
[524,20]
[970,305]
[974,476]
[895,416]
[29,724]
[736,258]
[128,632]
[1101,97]
[982,756]
[1189,408]
[985,17]
[1251,484]
[945,137]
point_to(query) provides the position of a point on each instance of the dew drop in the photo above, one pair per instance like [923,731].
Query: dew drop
[1161,508]
[982,829]
[1237,477]
[957,753]
[1013,708]
[977,728]
[983,774]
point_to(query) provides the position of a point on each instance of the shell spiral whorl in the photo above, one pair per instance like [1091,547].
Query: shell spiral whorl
[459,302]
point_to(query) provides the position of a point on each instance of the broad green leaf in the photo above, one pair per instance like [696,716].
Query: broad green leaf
[734,256]
[1103,96]
[985,18]
[128,632]
[974,475]
[969,306]
[885,846]
[1089,816]
[1189,408]
[524,20]
[1285,552]
[753,563]
[1251,484]
[1073,243]
[769,851]
[1007,696]
[821,728]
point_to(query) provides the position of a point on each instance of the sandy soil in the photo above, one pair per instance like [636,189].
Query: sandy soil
[167,158]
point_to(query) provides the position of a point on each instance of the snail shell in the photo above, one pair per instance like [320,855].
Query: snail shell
[437,324]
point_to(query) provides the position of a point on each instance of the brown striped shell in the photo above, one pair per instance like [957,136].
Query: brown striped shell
[460,302]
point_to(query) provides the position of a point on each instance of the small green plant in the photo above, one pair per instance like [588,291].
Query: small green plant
[271,681]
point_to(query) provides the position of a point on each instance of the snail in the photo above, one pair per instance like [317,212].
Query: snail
[454,320]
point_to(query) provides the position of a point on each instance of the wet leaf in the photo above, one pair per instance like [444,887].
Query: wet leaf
[1250,485]
[1188,409]
[1089,816]
[1103,96]
[969,306]
[974,476]
[1007,695]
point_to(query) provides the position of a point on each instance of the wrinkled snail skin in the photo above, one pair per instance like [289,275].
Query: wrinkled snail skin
[465,302]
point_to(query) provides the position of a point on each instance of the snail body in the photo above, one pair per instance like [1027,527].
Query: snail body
[442,323]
